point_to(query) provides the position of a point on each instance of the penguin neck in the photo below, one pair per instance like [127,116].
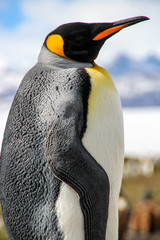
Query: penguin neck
[55,61]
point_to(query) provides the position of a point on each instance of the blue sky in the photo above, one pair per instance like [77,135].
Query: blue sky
[10,13]
[25,23]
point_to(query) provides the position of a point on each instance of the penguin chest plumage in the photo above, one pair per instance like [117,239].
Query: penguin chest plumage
[104,137]
[104,133]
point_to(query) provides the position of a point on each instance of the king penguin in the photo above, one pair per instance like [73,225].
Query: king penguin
[63,148]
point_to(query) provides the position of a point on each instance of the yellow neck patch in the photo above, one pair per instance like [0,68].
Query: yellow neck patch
[100,78]
[55,44]
[101,85]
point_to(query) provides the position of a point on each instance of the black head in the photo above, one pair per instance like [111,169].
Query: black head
[82,41]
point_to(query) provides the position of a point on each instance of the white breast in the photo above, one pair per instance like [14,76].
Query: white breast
[69,213]
[104,140]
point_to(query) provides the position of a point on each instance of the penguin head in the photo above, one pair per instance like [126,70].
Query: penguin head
[82,41]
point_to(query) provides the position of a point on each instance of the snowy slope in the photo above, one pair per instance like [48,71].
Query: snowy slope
[9,82]
[142,131]
[138,82]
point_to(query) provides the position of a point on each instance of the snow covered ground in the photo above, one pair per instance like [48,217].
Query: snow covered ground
[141,126]
[142,131]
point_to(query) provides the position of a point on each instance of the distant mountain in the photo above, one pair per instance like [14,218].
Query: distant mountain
[138,82]
[124,65]
[9,82]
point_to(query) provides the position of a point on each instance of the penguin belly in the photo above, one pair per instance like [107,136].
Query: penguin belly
[103,139]
[69,214]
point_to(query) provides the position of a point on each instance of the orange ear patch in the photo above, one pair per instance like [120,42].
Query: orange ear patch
[108,32]
[55,44]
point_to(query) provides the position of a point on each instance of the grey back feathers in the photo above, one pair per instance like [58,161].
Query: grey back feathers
[29,189]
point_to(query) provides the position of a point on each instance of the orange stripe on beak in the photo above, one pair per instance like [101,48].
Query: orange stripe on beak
[108,32]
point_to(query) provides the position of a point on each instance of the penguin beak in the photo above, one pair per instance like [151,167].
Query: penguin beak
[112,28]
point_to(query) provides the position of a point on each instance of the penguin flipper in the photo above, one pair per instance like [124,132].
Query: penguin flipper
[72,163]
